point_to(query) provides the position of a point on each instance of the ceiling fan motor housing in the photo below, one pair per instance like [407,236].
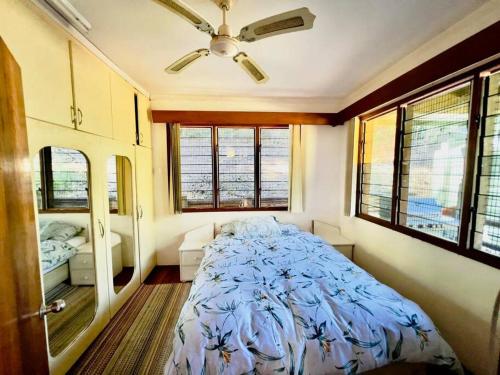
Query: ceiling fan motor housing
[224,46]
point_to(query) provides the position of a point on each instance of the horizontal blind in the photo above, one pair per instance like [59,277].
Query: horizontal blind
[236,167]
[434,147]
[377,166]
[487,220]
[196,167]
[112,183]
[274,167]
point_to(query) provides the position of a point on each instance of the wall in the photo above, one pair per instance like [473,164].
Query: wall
[321,196]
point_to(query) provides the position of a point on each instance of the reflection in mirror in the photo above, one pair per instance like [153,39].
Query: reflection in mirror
[61,178]
[121,237]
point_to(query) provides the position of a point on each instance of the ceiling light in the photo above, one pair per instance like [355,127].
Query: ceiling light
[70,14]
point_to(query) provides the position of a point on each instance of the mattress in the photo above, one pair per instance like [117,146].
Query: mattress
[293,304]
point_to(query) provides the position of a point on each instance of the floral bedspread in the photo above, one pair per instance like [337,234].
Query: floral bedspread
[54,253]
[292,304]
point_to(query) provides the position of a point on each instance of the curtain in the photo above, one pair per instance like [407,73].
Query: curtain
[124,185]
[295,170]
[174,168]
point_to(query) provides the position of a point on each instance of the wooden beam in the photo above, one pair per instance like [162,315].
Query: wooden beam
[477,48]
[243,118]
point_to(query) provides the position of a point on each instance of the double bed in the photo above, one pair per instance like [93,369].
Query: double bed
[269,301]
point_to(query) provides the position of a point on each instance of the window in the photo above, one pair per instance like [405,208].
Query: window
[196,167]
[234,167]
[433,162]
[377,168]
[112,185]
[429,166]
[487,200]
[61,179]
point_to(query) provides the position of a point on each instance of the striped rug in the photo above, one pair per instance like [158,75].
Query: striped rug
[138,340]
[63,327]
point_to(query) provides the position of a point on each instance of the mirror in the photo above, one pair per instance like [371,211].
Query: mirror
[121,220]
[61,182]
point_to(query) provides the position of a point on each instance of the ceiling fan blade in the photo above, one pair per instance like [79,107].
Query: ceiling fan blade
[288,22]
[249,66]
[181,9]
[187,60]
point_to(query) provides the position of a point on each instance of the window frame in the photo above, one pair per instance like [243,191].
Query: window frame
[464,245]
[45,170]
[215,165]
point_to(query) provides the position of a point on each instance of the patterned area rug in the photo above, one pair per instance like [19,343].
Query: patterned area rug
[63,327]
[138,340]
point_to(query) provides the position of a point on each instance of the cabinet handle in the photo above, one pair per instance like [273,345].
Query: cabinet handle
[101,228]
[73,116]
[140,213]
[80,116]
[141,138]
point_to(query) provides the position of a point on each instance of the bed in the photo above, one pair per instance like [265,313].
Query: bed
[287,302]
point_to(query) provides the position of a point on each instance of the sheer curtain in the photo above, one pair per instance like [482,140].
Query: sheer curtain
[295,195]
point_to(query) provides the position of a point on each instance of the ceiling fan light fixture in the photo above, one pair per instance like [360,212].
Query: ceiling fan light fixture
[224,46]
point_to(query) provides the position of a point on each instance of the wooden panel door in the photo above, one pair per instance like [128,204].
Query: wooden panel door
[92,93]
[22,333]
[144,117]
[145,218]
[123,109]
[41,50]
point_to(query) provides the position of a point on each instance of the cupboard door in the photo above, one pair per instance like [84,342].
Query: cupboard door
[144,181]
[123,109]
[144,117]
[41,50]
[92,92]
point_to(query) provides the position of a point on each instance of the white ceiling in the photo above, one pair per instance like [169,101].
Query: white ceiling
[352,41]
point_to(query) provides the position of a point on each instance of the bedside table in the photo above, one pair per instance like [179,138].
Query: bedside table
[81,266]
[191,250]
[331,234]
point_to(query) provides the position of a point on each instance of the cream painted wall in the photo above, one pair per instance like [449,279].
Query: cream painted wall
[321,197]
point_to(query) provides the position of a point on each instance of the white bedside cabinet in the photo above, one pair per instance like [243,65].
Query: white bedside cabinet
[331,234]
[191,250]
[81,266]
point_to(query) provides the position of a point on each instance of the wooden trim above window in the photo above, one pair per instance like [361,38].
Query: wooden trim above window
[243,118]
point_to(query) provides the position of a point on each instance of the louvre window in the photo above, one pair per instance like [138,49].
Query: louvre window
[234,167]
[274,162]
[196,167]
[61,179]
[486,236]
[433,160]
[377,168]
[429,165]
[112,185]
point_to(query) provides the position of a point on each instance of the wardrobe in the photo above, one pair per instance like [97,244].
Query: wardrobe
[89,137]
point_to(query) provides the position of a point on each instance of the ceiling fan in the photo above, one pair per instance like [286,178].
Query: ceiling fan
[223,44]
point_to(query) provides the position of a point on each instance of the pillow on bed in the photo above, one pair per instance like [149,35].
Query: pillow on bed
[59,231]
[260,226]
[289,229]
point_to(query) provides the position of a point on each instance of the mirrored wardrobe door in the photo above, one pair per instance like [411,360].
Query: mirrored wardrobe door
[67,256]
[121,235]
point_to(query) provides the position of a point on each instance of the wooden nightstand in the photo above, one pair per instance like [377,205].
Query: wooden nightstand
[191,250]
[81,266]
[331,234]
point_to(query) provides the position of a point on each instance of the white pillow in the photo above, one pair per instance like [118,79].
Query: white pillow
[76,241]
[256,226]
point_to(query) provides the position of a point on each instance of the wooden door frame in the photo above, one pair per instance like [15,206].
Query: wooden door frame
[23,345]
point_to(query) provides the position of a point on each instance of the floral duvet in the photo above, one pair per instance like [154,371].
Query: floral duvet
[292,304]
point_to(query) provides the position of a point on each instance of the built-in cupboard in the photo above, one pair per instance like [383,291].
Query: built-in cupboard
[89,134]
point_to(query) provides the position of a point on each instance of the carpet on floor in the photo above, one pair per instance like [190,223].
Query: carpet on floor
[138,340]
[64,326]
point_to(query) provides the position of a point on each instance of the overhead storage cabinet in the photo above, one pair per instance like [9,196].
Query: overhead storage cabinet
[123,109]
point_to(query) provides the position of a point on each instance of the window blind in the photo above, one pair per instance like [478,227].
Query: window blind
[236,167]
[274,167]
[112,184]
[196,167]
[434,148]
[377,165]
[487,200]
